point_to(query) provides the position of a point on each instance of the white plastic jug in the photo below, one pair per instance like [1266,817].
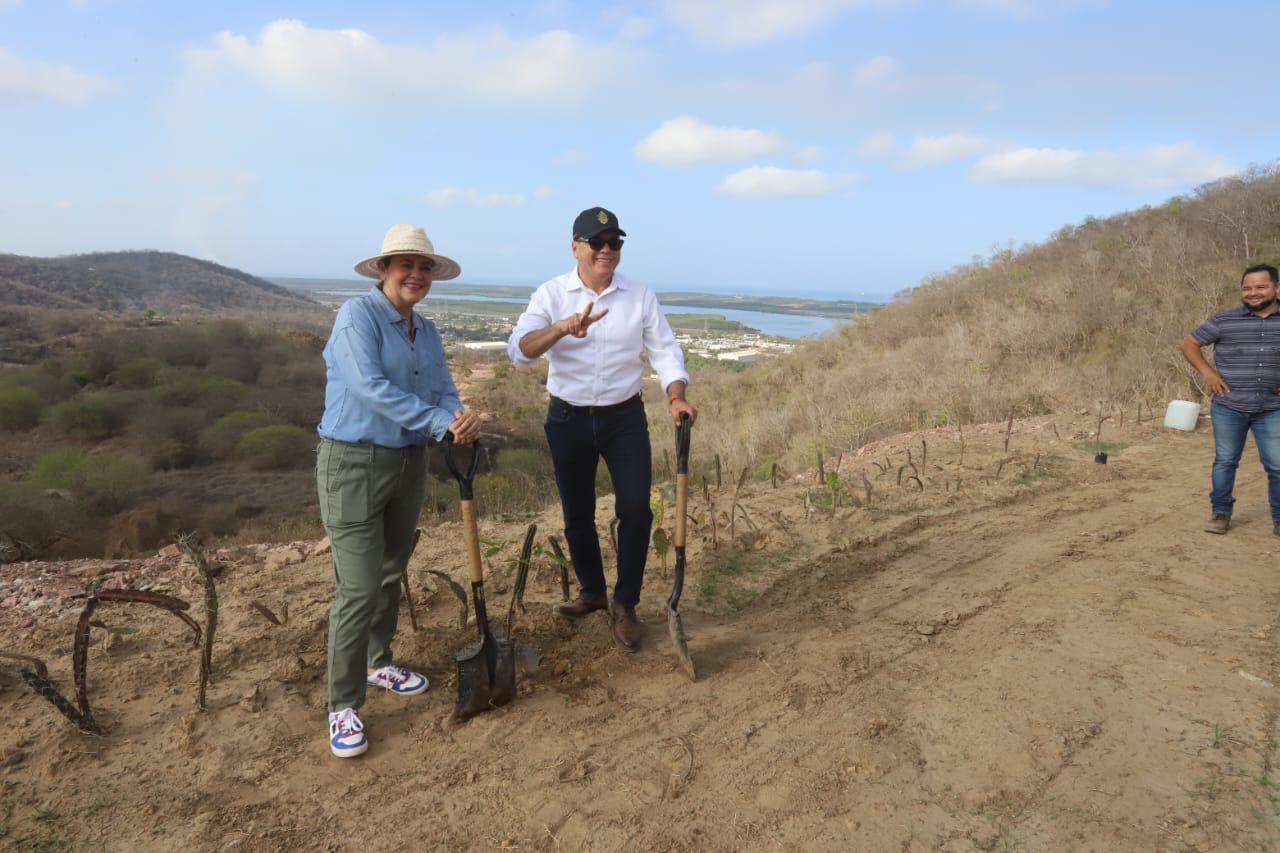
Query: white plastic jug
[1182,415]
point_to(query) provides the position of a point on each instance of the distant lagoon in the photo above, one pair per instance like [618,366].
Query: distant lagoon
[778,325]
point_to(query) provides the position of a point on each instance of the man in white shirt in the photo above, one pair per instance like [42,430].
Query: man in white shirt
[592,325]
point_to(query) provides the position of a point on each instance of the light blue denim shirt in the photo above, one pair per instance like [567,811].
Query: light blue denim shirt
[383,388]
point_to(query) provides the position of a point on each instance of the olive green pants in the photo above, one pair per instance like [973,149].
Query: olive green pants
[370,498]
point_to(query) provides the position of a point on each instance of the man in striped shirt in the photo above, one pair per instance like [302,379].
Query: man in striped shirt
[1245,381]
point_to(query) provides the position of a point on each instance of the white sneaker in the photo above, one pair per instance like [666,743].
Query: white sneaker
[346,734]
[400,681]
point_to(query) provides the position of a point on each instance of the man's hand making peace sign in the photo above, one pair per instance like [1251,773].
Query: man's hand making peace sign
[577,324]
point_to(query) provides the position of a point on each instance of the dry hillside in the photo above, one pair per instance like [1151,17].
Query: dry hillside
[135,281]
[1093,314]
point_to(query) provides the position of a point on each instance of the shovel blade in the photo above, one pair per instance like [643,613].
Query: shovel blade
[478,693]
[675,628]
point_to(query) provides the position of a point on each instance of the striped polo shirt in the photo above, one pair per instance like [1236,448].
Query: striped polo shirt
[1246,351]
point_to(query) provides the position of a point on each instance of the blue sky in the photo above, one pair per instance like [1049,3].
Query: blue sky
[828,147]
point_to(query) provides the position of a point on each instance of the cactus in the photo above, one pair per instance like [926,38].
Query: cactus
[189,544]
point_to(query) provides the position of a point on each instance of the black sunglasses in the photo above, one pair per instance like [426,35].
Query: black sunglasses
[598,243]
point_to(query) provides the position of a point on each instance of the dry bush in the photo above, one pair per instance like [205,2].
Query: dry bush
[278,446]
[225,433]
[87,416]
[19,407]
[140,372]
[92,366]
[168,438]
[102,482]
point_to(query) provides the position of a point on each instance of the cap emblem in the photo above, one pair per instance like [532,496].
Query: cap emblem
[602,218]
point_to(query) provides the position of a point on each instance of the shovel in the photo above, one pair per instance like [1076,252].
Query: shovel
[675,625]
[487,668]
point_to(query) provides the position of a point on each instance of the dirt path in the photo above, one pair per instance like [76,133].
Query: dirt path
[1060,663]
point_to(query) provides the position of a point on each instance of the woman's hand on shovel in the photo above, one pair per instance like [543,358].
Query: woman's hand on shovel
[465,427]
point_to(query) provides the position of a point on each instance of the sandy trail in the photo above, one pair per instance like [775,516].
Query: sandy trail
[1055,665]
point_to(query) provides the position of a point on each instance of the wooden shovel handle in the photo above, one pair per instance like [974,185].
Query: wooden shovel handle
[471,535]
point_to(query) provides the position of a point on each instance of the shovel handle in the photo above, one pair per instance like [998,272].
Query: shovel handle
[683,433]
[471,536]
[470,529]
[465,479]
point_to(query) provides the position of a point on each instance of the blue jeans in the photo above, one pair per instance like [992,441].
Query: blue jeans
[1230,427]
[578,438]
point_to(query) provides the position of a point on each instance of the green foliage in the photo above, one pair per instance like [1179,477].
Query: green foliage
[532,463]
[496,493]
[140,373]
[1111,448]
[212,394]
[103,480]
[90,416]
[604,483]
[92,366]
[225,433]
[19,407]
[278,446]
[726,584]
[661,545]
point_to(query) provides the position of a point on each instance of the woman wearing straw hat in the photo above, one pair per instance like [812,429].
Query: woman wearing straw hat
[388,392]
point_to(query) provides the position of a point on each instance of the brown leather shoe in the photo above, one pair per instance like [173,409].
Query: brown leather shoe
[581,606]
[1218,523]
[626,627]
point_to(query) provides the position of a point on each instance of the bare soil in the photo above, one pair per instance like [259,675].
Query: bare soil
[1054,658]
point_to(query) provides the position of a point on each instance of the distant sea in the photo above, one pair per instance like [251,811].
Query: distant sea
[778,325]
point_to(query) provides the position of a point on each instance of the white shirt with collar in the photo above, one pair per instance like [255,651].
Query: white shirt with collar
[604,367]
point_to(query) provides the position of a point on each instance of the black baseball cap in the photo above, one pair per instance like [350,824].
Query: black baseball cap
[592,221]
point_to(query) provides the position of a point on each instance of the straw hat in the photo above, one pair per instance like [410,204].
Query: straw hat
[410,240]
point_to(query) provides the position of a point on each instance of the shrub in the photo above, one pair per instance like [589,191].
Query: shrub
[91,416]
[214,394]
[19,407]
[534,464]
[168,437]
[226,432]
[240,365]
[278,446]
[140,373]
[92,366]
[103,481]
[179,347]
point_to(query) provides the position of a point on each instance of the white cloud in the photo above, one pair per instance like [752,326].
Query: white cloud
[807,155]
[879,146]
[685,141]
[1024,8]
[1155,167]
[932,150]
[470,197]
[634,28]
[738,22]
[28,79]
[927,150]
[875,70]
[571,157]
[773,182]
[354,66]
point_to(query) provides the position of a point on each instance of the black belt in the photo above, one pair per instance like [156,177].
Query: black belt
[597,410]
